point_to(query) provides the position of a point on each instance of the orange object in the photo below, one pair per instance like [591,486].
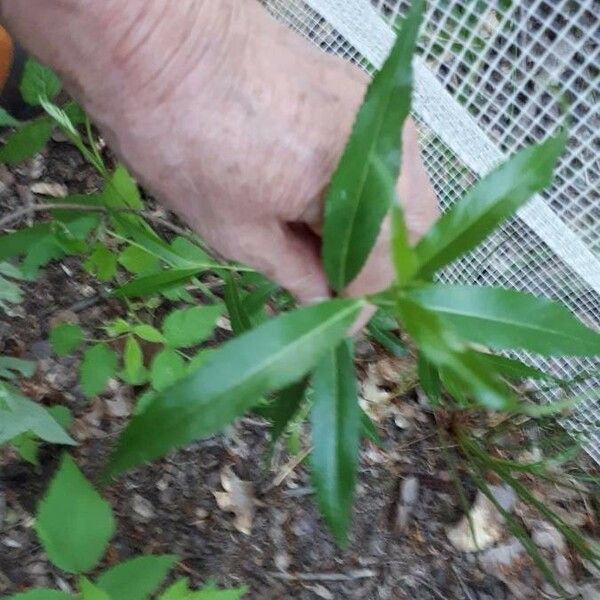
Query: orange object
[6,56]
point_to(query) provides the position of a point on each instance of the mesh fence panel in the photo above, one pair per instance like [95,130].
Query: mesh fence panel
[488,81]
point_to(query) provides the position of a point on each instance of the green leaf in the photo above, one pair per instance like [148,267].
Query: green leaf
[285,407]
[102,262]
[369,430]
[42,594]
[442,348]
[117,327]
[134,371]
[9,363]
[89,591]
[363,186]
[403,256]
[386,337]
[148,333]
[98,366]
[74,524]
[429,379]
[507,319]
[512,368]
[137,578]
[487,204]
[139,261]
[240,320]
[167,368]
[38,80]
[65,338]
[180,591]
[336,428]
[19,415]
[270,357]
[190,326]
[152,284]
[27,141]
[7,120]
[189,251]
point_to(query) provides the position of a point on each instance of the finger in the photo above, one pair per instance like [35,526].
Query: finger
[287,255]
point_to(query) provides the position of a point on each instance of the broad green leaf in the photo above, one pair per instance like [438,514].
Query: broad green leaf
[7,120]
[152,284]
[27,446]
[42,594]
[98,366]
[18,365]
[137,578]
[65,338]
[38,80]
[74,524]
[487,204]
[363,186]
[270,357]
[403,256]
[90,591]
[180,591]
[239,318]
[26,141]
[429,378]
[19,415]
[512,368]
[102,262]
[335,433]
[506,319]
[190,326]
[148,333]
[139,261]
[134,371]
[441,347]
[285,407]
[167,368]
[189,251]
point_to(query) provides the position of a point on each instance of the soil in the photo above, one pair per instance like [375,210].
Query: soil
[405,499]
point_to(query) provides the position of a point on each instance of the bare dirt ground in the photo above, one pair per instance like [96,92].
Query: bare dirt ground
[266,533]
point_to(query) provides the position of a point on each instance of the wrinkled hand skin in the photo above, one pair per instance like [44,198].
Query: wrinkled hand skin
[226,116]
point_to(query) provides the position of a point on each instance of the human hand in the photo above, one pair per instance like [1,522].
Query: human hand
[237,124]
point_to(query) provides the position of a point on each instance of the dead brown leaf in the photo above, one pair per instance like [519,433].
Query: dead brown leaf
[238,498]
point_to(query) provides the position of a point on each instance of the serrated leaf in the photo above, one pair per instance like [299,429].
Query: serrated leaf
[153,284]
[137,578]
[363,187]
[20,415]
[190,326]
[167,368]
[487,204]
[335,433]
[42,594]
[65,338]
[447,352]
[148,333]
[38,80]
[73,523]
[506,319]
[26,141]
[98,366]
[138,261]
[102,262]
[134,371]
[270,357]
[90,591]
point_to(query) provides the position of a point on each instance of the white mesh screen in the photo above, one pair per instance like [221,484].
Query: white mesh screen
[487,82]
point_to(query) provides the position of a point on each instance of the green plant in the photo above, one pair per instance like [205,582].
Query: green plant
[74,525]
[268,366]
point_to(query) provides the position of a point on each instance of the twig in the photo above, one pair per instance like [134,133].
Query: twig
[288,469]
[351,576]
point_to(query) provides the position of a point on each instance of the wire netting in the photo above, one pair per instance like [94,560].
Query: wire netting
[489,80]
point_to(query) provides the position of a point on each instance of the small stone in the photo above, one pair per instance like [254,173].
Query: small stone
[409,491]
[322,592]
[563,567]
[142,507]
[547,537]
[504,555]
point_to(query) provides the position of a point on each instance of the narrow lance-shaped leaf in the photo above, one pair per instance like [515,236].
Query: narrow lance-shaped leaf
[234,377]
[285,407]
[158,282]
[363,186]
[487,204]
[335,432]
[403,256]
[240,320]
[429,379]
[506,319]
